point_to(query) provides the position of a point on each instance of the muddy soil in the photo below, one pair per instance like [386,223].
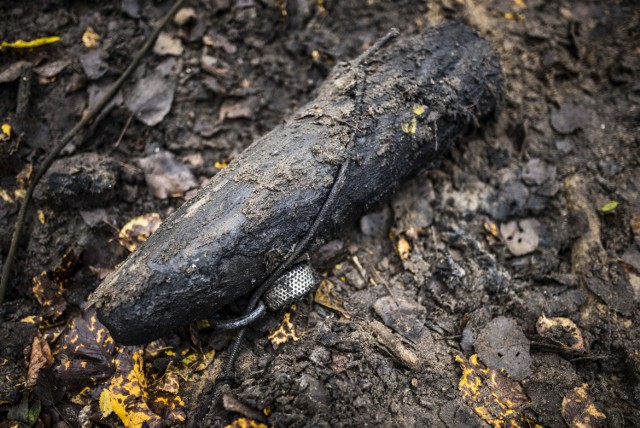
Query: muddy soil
[521,247]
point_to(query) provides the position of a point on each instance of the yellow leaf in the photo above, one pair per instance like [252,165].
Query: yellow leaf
[411,127]
[578,409]
[23,181]
[138,230]
[6,132]
[206,360]
[492,395]
[27,44]
[31,319]
[222,164]
[90,38]
[609,206]
[285,332]
[189,359]
[404,248]
[246,423]
[41,216]
[562,331]
[105,403]
[419,110]
[5,196]
[326,296]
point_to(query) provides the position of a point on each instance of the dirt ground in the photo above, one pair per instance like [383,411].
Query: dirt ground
[498,289]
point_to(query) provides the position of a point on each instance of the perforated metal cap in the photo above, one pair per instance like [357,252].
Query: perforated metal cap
[291,286]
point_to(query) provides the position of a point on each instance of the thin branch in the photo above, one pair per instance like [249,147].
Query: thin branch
[8,264]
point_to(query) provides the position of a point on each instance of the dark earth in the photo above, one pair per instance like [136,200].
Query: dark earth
[498,289]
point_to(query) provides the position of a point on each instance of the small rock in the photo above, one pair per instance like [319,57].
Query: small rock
[402,315]
[131,8]
[564,146]
[521,236]
[375,223]
[537,172]
[184,16]
[166,44]
[568,118]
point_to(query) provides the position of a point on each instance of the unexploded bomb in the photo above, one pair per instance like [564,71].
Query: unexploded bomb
[375,122]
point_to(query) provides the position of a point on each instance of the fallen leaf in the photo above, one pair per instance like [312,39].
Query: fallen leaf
[137,400]
[222,164]
[285,332]
[402,315]
[231,110]
[138,229]
[90,38]
[48,388]
[40,358]
[41,217]
[165,176]
[184,15]
[84,355]
[23,178]
[28,44]
[52,69]
[5,134]
[246,423]
[105,403]
[326,296]
[579,411]
[609,206]
[492,395]
[166,44]
[151,97]
[49,294]
[403,248]
[562,331]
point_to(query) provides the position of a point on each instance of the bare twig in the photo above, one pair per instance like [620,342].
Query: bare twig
[6,269]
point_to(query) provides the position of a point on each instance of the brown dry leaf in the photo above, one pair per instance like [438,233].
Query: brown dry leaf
[49,294]
[579,411]
[327,297]
[246,423]
[562,331]
[285,332]
[23,181]
[40,357]
[492,395]
[403,248]
[85,352]
[231,110]
[90,38]
[635,225]
[138,230]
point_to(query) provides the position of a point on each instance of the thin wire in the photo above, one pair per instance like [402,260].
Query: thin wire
[243,321]
[8,264]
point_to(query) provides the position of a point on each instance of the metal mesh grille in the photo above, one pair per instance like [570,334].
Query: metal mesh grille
[291,286]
